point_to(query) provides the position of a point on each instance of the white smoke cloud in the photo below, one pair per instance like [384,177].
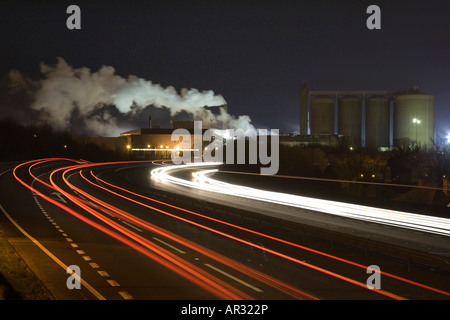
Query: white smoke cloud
[18,82]
[242,122]
[65,94]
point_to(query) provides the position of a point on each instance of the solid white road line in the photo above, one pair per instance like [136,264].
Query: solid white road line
[51,255]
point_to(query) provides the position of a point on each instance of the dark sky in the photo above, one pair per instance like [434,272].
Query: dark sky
[254,53]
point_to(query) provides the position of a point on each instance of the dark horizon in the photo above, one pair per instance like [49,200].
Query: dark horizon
[255,54]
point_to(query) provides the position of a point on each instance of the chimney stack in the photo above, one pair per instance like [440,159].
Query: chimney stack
[150,122]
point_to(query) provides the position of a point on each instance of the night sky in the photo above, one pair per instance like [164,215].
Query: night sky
[256,54]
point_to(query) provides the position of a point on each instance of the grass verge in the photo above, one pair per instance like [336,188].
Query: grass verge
[17,281]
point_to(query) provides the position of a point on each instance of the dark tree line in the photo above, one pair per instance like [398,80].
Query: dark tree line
[21,142]
[406,163]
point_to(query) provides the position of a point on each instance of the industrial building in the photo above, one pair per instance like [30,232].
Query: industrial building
[304,140]
[152,142]
[369,118]
[156,142]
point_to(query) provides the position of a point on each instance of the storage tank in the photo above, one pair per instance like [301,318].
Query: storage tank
[350,118]
[322,115]
[377,121]
[414,119]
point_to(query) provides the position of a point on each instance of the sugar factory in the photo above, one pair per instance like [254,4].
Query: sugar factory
[380,119]
[372,118]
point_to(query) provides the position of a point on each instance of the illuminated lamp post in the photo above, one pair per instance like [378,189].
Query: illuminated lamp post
[416,123]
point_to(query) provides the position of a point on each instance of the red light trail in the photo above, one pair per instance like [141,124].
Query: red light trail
[171,260]
[192,273]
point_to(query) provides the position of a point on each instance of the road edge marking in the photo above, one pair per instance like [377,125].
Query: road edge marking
[51,255]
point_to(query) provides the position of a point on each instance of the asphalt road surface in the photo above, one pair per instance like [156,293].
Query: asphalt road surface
[136,237]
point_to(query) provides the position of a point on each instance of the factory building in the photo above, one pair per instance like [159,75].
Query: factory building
[369,118]
[156,142]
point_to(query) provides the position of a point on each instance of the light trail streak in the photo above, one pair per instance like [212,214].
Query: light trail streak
[163,150]
[181,266]
[259,234]
[296,293]
[407,220]
[189,268]
[201,176]
[162,256]
[274,252]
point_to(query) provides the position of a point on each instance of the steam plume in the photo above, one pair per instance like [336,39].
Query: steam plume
[93,102]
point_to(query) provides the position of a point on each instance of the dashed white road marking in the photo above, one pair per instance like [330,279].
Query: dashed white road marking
[233,277]
[126,295]
[169,245]
[60,198]
[113,283]
[131,226]
[108,213]
[103,273]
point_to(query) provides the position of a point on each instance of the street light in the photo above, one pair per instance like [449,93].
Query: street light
[416,122]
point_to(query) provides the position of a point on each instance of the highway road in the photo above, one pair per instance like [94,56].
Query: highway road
[136,234]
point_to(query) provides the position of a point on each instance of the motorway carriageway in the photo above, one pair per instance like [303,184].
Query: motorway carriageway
[207,251]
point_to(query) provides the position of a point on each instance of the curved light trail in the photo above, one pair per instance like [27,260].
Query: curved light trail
[218,257]
[407,220]
[259,234]
[171,260]
[157,253]
[346,261]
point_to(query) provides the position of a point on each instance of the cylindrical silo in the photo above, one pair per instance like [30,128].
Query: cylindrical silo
[322,115]
[414,119]
[377,121]
[350,118]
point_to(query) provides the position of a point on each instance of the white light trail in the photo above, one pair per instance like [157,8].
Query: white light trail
[162,149]
[407,220]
